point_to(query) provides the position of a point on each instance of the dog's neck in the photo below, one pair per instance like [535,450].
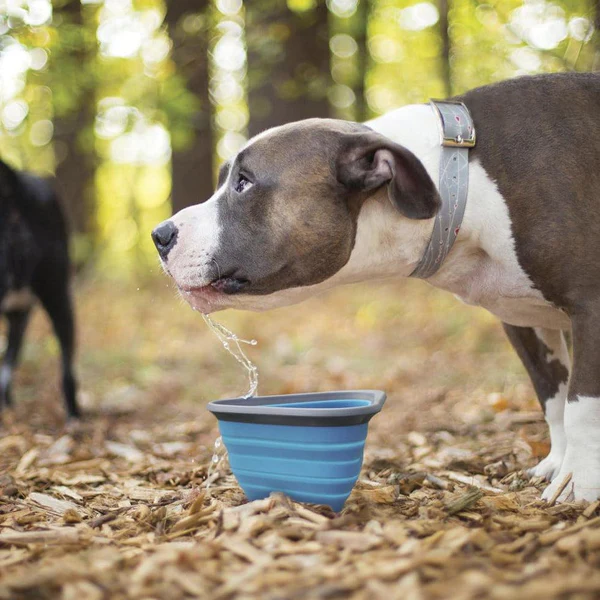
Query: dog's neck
[390,245]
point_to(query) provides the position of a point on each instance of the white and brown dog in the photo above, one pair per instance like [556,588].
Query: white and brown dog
[319,203]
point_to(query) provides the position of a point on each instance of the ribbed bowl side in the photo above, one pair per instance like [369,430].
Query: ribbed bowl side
[310,464]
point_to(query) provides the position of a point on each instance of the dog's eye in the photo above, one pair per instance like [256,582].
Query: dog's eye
[243,184]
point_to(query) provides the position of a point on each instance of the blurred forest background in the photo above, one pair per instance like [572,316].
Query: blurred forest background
[133,104]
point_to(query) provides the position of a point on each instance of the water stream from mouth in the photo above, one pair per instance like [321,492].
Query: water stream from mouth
[233,344]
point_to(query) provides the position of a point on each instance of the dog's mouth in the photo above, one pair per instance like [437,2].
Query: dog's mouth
[225,284]
[212,296]
[229,285]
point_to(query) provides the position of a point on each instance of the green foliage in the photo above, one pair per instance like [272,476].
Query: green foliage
[178,104]
[107,68]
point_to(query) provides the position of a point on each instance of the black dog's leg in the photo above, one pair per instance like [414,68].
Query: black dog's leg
[56,299]
[17,323]
[545,355]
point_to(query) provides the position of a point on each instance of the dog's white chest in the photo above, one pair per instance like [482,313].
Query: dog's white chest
[485,270]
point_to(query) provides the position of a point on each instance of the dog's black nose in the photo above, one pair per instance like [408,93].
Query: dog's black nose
[165,236]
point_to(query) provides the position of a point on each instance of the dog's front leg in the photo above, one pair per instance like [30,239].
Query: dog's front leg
[582,414]
[545,355]
[17,323]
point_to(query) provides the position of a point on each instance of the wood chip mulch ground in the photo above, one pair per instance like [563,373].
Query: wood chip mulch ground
[112,508]
[116,507]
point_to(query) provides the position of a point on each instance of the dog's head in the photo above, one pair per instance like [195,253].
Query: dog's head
[283,221]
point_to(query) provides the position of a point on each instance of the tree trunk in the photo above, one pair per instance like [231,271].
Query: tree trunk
[75,164]
[446,73]
[596,64]
[360,37]
[192,166]
[288,63]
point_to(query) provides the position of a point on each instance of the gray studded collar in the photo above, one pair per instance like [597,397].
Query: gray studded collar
[457,136]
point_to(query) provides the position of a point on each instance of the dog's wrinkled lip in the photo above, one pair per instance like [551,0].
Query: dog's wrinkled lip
[202,298]
[221,285]
[212,296]
[229,285]
[196,289]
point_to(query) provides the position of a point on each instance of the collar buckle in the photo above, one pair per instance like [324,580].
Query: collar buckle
[456,130]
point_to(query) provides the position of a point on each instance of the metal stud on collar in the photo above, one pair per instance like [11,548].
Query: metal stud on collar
[457,136]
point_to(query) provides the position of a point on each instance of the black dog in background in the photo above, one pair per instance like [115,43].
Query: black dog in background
[34,263]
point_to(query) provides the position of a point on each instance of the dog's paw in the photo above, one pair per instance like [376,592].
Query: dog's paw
[548,468]
[584,483]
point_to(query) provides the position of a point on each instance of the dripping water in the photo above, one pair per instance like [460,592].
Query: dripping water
[233,344]
[219,454]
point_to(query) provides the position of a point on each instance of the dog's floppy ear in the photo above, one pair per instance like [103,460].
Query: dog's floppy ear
[367,161]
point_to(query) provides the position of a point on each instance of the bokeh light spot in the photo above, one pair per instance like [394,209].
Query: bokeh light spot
[41,132]
[418,17]
[343,45]
[14,113]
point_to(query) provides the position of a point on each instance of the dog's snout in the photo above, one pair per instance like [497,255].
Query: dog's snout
[165,236]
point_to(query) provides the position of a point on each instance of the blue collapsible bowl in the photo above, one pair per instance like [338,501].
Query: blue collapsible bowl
[308,446]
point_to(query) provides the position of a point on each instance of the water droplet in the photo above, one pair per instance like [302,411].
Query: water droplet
[218,443]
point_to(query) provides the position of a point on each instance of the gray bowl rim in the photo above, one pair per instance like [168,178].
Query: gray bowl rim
[260,405]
